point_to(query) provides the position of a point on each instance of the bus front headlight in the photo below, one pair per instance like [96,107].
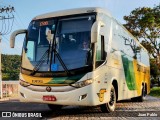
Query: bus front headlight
[23,83]
[82,83]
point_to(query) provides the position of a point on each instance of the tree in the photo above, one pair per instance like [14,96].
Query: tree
[10,67]
[144,24]
[154,69]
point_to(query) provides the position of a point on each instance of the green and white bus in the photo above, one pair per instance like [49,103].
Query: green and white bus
[81,57]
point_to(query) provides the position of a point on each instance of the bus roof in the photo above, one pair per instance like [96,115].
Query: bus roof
[73,12]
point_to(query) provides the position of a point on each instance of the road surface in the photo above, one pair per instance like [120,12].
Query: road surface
[149,109]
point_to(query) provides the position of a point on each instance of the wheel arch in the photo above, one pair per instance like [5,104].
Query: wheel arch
[144,85]
[115,85]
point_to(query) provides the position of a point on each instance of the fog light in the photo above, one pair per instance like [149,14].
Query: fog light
[82,97]
[22,95]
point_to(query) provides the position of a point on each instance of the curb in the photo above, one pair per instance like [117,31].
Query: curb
[8,99]
[4,99]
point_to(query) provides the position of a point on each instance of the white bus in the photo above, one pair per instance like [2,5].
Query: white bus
[81,57]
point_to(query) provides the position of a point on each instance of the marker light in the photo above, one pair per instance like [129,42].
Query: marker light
[82,97]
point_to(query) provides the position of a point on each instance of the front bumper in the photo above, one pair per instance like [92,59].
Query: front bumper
[64,98]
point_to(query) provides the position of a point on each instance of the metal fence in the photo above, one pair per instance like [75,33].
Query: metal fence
[10,89]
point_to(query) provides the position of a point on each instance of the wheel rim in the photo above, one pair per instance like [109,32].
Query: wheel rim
[112,98]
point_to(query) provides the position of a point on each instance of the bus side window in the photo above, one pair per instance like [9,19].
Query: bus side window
[100,53]
[30,50]
[103,53]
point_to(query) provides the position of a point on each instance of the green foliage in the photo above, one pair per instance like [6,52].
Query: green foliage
[154,68]
[10,67]
[155,91]
[144,24]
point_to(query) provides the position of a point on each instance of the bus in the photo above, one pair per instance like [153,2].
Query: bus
[82,57]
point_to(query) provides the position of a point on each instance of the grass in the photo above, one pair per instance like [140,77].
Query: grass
[155,91]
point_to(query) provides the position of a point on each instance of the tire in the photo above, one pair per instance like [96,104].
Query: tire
[54,107]
[140,98]
[143,95]
[111,105]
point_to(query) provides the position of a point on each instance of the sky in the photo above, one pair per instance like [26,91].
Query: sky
[28,9]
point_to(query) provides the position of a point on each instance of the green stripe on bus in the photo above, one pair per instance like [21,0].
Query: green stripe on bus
[129,73]
[66,80]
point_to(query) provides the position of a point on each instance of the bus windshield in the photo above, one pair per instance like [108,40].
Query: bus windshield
[55,44]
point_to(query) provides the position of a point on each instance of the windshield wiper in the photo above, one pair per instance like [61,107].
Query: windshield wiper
[61,61]
[43,58]
[57,54]
[41,61]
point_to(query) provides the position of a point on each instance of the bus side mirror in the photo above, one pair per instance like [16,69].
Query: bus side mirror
[95,30]
[14,34]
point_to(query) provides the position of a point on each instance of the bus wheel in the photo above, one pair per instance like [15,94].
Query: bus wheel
[54,107]
[143,95]
[140,98]
[110,106]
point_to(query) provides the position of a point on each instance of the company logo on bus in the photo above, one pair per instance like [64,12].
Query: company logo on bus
[48,89]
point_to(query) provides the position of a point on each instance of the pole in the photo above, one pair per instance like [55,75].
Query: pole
[7,10]
[1,85]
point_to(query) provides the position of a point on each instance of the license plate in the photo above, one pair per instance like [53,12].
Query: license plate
[49,98]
